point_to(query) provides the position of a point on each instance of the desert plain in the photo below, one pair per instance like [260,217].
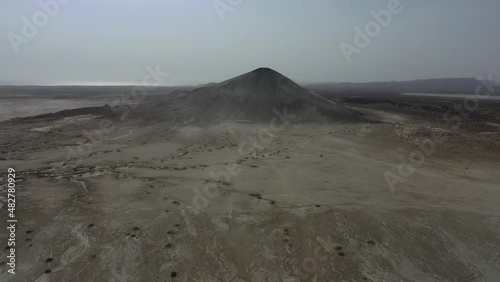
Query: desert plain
[404,195]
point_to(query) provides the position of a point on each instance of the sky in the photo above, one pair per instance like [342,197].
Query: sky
[103,42]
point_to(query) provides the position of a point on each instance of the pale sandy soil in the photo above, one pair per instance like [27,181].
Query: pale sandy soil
[312,205]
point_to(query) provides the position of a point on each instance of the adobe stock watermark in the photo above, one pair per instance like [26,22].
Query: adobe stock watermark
[310,267]
[223,6]
[363,37]
[427,147]
[40,19]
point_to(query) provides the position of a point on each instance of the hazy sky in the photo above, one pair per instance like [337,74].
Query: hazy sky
[113,41]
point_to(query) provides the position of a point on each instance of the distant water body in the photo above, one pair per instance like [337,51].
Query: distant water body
[458,96]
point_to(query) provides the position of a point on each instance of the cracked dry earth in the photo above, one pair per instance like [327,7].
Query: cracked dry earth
[152,203]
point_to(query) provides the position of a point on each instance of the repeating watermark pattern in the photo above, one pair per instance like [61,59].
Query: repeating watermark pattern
[39,20]
[223,6]
[250,146]
[363,37]
[427,147]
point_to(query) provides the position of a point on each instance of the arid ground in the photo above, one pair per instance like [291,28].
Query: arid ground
[153,201]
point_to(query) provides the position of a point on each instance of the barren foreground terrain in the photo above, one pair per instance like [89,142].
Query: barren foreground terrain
[251,202]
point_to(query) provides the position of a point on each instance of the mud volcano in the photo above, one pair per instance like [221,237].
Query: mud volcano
[255,97]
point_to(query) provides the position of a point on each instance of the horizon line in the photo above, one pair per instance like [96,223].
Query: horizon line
[200,84]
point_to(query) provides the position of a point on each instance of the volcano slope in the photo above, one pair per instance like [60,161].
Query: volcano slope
[255,97]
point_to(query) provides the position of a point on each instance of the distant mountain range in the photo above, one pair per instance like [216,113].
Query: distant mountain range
[442,85]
